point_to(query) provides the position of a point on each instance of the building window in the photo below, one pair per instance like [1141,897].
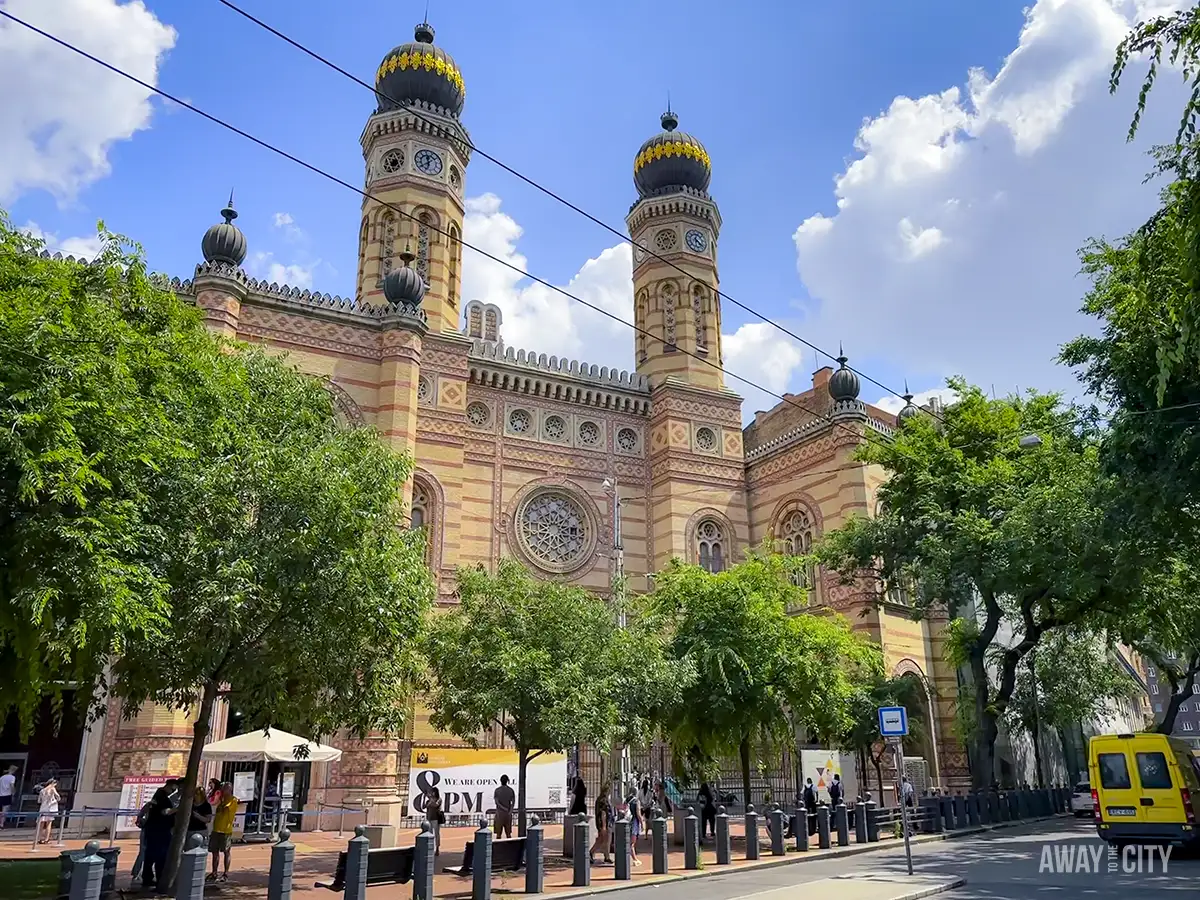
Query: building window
[589,434]
[627,440]
[475,321]
[387,244]
[491,325]
[424,389]
[1188,726]
[698,312]
[710,546]
[705,439]
[423,247]
[452,263]
[1150,671]
[554,530]
[1183,707]
[1154,688]
[797,538]
[478,414]
[392,162]
[1196,688]
[555,428]
[668,302]
[519,421]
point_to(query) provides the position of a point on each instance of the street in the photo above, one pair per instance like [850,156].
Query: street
[1003,864]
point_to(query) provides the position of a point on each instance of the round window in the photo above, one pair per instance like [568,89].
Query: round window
[424,389]
[519,421]
[589,434]
[705,439]
[554,531]
[627,440]
[666,239]
[392,161]
[478,414]
[556,428]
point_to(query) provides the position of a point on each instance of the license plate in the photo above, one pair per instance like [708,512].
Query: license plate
[1122,811]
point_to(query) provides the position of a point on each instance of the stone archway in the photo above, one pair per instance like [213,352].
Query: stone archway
[923,739]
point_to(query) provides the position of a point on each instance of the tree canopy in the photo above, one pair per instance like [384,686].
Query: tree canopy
[761,673]
[1011,540]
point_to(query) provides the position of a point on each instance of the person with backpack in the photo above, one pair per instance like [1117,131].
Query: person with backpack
[835,790]
[810,806]
[142,817]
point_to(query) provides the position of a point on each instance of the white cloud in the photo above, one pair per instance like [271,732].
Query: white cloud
[79,247]
[540,319]
[61,113]
[895,404]
[283,219]
[264,266]
[953,248]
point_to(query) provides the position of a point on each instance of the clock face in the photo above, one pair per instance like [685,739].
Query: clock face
[695,240]
[428,162]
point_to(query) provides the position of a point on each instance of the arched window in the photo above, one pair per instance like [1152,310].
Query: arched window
[423,246]
[639,318]
[363,235]
[796,536]
[421,516]
[387,243]
[668,301]
[475,320]
[698,312]
[711,546]
[491,325]
[898,589]
[452,262]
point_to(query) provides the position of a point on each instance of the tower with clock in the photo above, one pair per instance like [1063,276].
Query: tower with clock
[416,151]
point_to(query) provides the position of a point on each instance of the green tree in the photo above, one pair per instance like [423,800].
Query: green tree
[760,672]
[863,737]
[1010,540]
[546,662]
[189,513]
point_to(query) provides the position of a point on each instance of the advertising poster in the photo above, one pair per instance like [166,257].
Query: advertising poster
[822,765]
[243,786]
[136,791]
[467,779]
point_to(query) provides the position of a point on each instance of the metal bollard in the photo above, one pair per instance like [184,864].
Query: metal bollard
[283,860]
[481,867]
[751,832]
[872,817]
[535,861]
[985,814]
[691,840]
[823,827]
[112,831]
[87,874]
[622,863]
[841,823]
[424,863]
[801,835]
[933,814]
[860,823]
[658,842]
[960,811]
[972,809]
[341,820]
[775,820]
[356,863]
[948,812]
[568,844]
[724,848]
[189,880]
[582,861]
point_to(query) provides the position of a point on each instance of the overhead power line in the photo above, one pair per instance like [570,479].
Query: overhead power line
[554,195]
[866,434]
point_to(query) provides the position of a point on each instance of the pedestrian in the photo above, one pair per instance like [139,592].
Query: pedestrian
[505,798]
[663,800]
[578,798]
[48,798]
[202,813]
[646,800]
[635,824]
[708,811]
[214,791]
[906,790]
[158,837]
[140,860]
[435,817]
[835,790]
[220,841]
[810,806]
[604,818]
[8,791]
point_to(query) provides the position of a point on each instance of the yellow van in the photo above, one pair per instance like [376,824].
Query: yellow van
[1145,789]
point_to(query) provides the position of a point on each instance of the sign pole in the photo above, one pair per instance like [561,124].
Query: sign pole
[903,806]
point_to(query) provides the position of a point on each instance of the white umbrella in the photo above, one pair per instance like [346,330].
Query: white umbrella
[269,746]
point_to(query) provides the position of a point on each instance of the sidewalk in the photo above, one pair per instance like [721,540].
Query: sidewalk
[316,857]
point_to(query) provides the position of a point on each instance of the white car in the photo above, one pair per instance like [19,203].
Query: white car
[1081,800]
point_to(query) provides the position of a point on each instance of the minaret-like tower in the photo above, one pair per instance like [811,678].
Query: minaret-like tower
[674,226]
[415,176]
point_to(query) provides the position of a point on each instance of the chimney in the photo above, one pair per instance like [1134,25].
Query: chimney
[821,377]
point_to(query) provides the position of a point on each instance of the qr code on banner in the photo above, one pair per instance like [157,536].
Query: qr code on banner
[555,796]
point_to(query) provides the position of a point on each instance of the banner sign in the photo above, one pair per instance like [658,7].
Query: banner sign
[467,779]
[136,791]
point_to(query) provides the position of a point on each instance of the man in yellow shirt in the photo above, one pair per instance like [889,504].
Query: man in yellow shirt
[221,839]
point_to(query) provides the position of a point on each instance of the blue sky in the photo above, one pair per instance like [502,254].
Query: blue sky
[953,252]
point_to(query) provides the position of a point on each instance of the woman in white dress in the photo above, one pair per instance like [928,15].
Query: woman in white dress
[48,798]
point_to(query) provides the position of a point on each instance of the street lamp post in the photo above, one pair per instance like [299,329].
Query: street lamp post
[618,597]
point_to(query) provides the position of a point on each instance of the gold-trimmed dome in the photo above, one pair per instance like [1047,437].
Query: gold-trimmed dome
[671,159]
[419,71]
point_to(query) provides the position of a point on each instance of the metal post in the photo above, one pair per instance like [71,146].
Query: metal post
[341,820]
[751,832]
[622,865]
[356,864]
[841,823]
[775,818]
[872,818]
[189,880]
[424,863]
[535,861]
[724,850]
[87,874]
[860,822]
[691,840]
[801,828]
[904,827]
[658,842]
[481,867]
[283,860]
[62,824]
[823,826]
[583,855]
[112,831]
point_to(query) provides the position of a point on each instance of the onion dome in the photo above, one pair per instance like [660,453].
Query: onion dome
[224,242]
[909,411]
[419,71]
[671,159]
[404,286]
[843,383]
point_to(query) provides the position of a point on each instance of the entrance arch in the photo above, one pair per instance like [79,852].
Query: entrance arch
[922,740]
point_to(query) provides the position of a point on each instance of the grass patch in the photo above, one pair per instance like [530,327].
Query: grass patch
[32,879]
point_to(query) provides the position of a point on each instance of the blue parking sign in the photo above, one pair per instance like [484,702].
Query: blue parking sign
[893,721]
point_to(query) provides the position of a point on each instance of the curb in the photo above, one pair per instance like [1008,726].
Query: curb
[952,884]
[796,857]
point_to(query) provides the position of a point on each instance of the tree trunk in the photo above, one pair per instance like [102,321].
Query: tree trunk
[522,768]
[1181,690]
[744,753]
[1039,770]
[183,812]
[983,773]
[875,761]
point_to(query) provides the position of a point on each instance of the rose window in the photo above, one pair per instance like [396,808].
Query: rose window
[393,161]
[589,434]
[477,414]
[666,239]
[556,428]
[627,440]
[424,389]
[705,439]
[554,530]
[519,421]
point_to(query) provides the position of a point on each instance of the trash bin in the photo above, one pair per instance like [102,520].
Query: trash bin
[108,883]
